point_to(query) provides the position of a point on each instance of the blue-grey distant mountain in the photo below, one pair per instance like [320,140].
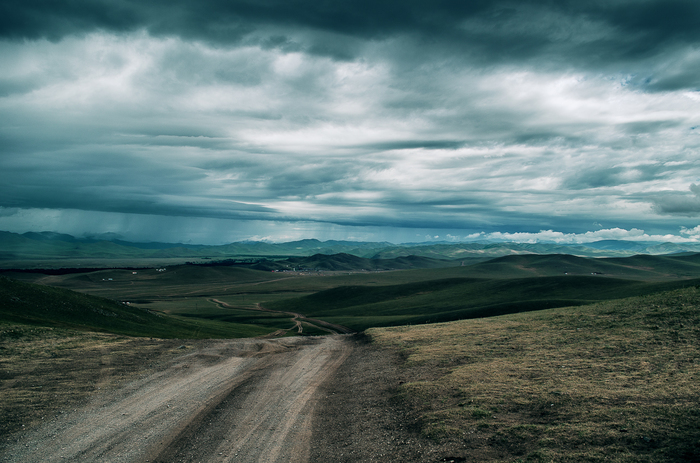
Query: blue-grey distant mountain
[50,236]
[52,248]
[617,245]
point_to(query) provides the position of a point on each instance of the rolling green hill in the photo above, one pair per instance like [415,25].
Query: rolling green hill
[48,306]
[349,262]
[364,299]
[635,267]
[361,307]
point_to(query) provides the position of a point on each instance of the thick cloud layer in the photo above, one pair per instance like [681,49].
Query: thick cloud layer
[598,33]
[493,117]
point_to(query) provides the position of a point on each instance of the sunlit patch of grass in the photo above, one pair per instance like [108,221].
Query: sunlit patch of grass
[614,380]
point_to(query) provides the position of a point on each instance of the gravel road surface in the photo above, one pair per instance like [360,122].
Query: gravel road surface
[228,401]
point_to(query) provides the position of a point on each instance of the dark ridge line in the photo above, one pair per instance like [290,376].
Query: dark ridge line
[67,271]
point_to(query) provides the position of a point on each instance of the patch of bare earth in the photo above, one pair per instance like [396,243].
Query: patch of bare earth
[236,400]
[69,396]
[47,372]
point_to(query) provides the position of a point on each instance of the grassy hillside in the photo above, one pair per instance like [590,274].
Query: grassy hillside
[634,267]
[361,307]
[365,299]
[349,262]
[613,381]
[48,306]
[151,283]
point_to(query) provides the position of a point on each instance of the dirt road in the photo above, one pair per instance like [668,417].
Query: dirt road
[235,400]
[297,318]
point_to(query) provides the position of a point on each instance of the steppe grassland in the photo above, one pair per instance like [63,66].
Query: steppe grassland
[616,380]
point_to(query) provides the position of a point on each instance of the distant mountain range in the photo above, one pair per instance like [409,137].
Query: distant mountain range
[23,249]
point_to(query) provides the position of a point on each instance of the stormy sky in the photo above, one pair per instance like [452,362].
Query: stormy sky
[213,121]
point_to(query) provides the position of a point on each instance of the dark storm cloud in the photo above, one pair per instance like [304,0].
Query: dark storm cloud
[178,141]
[311,180]
[105,179]
[605,177]
[120,198]
[11,87]
[479,217]
[586,33]
[679,203]
[413,144]
[527,115]
[646,127]
[227,21]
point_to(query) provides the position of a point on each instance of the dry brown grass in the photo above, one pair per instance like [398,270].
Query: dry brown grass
[615,381]
[47,371]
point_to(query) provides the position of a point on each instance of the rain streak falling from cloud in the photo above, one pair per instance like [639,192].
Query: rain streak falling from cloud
[370,120]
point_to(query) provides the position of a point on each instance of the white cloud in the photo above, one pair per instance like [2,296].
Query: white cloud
[550,236]
[692,233]
[130,123]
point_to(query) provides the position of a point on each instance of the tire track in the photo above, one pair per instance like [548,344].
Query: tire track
[244,401]
[297,318]
[267,418]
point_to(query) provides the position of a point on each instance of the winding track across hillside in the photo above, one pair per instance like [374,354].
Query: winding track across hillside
[231,401]
[297,318]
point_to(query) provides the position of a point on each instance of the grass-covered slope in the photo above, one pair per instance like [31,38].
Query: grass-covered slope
[49,306]
[361,307]
[348,262]
[634,267]
[175,281]
[613,381]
